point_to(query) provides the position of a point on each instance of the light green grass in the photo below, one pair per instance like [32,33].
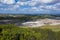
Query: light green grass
[52,27]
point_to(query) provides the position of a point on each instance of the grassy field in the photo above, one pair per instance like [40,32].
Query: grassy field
[13,32]
[55,28]
[52,27]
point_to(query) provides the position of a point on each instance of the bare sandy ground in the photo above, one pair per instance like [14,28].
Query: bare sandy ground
[41,22]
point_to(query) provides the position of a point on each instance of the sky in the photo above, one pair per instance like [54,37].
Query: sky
[30,6]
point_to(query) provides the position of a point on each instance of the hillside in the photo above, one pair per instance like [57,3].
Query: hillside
[13,32]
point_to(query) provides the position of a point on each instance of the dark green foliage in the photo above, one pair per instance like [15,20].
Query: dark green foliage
[12,32]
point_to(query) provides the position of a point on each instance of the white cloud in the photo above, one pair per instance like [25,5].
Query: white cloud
[11,7]
[29,3]
[35,8]
[21,3]
[44,1]
[7,1]
[57,6]
[32,3]
[41,5]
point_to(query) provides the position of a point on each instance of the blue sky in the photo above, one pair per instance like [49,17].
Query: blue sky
[30,6]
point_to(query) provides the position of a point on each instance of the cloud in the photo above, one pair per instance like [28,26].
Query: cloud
[7,1]
[57,6]
[31,5]
[8,7]
[21,3]
[43,1]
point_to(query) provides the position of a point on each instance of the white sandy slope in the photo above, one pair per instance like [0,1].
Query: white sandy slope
[41,22]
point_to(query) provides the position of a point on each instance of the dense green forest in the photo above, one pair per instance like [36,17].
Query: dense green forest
[24,18]
[13,32]
[27,16]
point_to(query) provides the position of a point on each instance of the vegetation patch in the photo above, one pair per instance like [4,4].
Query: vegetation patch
[13,32]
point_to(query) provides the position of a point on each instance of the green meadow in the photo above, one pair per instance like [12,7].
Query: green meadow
[13,32]
[52,27]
